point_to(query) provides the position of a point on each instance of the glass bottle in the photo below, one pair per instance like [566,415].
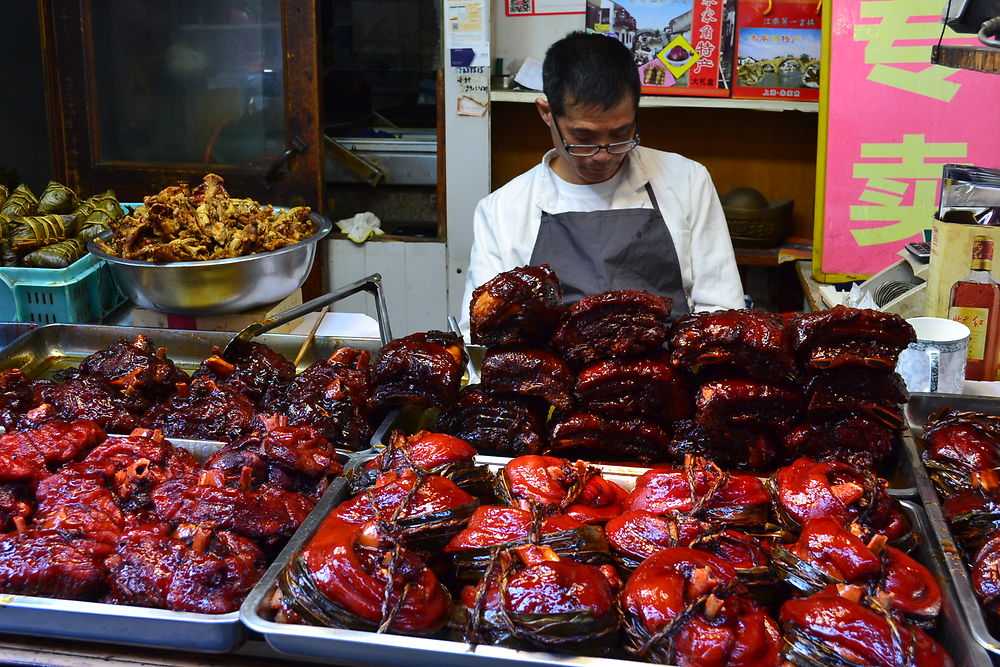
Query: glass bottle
[975,302]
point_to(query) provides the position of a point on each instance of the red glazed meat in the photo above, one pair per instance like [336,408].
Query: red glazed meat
[204,411]
[648,388]
[587,434]
[253,369]
[575,489]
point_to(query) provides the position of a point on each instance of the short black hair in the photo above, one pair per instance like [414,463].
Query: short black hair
[592,70]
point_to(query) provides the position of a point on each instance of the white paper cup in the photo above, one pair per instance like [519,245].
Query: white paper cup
[935,363]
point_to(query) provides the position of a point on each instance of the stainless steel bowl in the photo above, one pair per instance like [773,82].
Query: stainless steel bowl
[218,286]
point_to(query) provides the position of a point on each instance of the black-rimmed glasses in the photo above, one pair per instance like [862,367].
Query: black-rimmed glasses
[587,150]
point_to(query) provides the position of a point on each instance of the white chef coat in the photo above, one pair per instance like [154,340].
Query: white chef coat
[506,224]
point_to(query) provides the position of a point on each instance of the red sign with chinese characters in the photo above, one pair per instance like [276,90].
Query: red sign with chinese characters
[778,46]
[893,120]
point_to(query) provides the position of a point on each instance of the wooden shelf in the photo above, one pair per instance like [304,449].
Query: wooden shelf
[975,58]
[676,101]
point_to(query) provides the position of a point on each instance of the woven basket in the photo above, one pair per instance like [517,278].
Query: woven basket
[763,227]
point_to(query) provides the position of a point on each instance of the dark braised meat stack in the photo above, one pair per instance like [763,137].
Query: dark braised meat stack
[648,388]
[332,395]
[18,395]
[542,600]
[205,410]
[46,563]
[868,391]
[192,568]
[557,485]
[253,369]
[292,458]
[90,397]
[807,489]
[586,434]
[750,340]
[265,514]
[529,373]
[849,336]
[137,367]
[421,369]
[859,440]
[360,577]
[613,324]
[518,307]
[831,627]
[504,424]
[682,606]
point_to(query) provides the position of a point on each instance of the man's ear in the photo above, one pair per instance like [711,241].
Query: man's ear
[544,110]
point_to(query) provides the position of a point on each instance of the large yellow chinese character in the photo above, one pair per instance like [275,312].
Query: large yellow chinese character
[888,182]
[897,25]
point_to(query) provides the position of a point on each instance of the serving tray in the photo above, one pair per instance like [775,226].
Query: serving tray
[351,645]
[921,406]
[40,352]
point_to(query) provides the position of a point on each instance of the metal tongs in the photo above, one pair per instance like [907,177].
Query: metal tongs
[372,284]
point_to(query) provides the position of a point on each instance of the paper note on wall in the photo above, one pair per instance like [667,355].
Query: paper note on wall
[466,30]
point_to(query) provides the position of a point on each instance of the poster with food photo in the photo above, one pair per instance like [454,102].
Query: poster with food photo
[681,47]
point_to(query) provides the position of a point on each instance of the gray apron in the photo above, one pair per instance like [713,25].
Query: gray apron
[597,251]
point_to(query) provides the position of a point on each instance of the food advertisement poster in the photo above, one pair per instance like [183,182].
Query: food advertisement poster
[681,47]
[778,46]
[889,120]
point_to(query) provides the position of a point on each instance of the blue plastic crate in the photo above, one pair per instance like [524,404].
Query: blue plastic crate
[82,292]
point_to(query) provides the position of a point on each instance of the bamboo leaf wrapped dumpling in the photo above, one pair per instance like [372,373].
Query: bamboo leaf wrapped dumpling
[97,213]
[57,198]
[7,255]
[4,193]
[56,256]
[41,230]
[22,202]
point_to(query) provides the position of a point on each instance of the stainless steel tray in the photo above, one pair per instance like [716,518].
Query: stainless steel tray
[897,469]
[368,647]
[948,550]
[56,346]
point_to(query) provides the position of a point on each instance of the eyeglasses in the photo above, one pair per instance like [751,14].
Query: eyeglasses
[587,150]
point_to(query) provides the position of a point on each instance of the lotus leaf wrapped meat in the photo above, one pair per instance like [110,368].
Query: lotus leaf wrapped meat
[427,453]
[831,628]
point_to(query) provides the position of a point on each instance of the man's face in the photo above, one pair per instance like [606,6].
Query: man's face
[588,125]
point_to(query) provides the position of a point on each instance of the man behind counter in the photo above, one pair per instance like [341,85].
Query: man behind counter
[602,211]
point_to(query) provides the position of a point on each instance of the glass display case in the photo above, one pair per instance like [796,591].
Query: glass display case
[146,93]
